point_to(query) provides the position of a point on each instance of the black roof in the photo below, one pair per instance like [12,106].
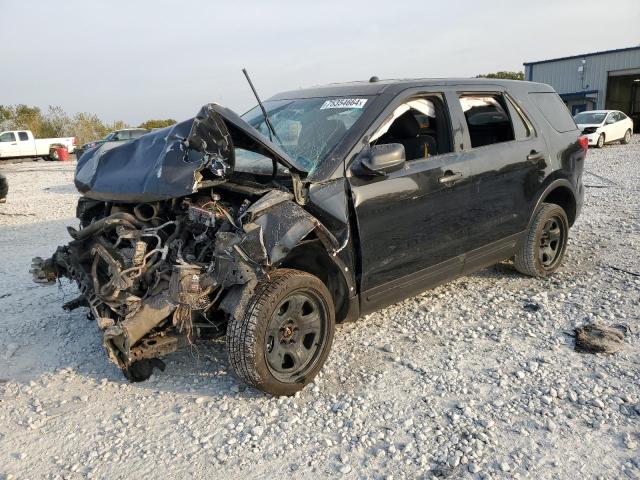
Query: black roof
[603,52]
[397,85]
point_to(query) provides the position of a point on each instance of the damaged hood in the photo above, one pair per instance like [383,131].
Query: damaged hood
[175,161]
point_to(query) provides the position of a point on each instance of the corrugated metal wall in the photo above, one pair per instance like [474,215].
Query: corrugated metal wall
[564,77]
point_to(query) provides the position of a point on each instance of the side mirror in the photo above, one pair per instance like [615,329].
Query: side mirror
[381,159]
[610,120]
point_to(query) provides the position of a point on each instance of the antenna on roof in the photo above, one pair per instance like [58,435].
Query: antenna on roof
[264,111]
[374,79]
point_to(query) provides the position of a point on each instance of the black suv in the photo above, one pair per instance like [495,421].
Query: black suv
[349,197]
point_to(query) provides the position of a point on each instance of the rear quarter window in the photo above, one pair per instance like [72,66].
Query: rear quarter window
[554,111]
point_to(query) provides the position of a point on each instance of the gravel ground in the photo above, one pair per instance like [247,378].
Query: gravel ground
[475,379]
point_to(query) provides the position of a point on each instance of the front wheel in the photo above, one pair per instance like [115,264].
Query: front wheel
[281,342]
[542,250]
[600,143]
[627,137]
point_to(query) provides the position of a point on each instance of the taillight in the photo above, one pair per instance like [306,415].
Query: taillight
[74,141]
[584,142]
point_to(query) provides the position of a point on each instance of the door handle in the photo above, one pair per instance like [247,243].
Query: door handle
[450,176]
[14,143]
[535,156]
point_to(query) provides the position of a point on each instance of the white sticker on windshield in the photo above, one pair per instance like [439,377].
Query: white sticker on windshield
[344,103]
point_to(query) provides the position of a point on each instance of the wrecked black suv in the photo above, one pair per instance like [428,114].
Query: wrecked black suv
[367,193]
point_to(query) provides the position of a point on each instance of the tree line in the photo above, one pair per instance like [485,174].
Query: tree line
[55,122]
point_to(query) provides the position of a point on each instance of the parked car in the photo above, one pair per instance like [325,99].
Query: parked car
[21,143]
[123,135]
[605,126]
[370,192]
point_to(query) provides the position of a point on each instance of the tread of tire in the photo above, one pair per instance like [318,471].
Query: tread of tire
[241,332]
[524,260]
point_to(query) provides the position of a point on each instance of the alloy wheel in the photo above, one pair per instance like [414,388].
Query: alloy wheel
[551,242]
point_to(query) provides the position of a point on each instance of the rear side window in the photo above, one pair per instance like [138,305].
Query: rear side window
[554,110]
[487,119]
[23,136]
[137,133]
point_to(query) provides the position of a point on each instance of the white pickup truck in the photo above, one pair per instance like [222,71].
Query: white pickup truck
[20,143]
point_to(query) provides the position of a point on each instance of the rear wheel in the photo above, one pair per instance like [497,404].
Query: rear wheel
[284,337]
[627,137]
[600,143]
[543,249]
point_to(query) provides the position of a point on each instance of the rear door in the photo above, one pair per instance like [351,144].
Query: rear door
[507,160]
[620,125]
[26,146]
[412,222]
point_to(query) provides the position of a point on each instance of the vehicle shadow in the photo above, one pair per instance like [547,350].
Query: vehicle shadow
[63,189]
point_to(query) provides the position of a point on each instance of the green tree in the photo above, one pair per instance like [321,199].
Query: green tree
[87,127]
[149,124]
[15,117]
[56,123]
[503,75]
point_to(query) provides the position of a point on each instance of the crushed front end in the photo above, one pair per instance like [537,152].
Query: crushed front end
[168,248]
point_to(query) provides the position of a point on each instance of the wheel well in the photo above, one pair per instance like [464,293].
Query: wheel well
[564,197]
[312,258]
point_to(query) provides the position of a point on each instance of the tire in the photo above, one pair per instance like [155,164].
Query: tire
[54,155]
[627,137]
[542,251]
[600,143]
[268,347]
[4,188]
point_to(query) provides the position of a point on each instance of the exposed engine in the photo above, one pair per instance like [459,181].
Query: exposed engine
[152,274]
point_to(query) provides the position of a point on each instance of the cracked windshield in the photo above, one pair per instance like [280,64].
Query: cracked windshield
[306,129]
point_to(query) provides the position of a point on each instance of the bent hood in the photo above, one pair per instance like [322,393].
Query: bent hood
[585,125]
[175,161]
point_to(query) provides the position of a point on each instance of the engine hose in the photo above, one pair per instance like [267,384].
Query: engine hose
[146,212]
[120,218]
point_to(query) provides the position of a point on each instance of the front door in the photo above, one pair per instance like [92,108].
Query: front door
[413,222]
[8,145]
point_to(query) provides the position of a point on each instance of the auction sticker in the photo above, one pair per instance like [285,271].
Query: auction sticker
[344,103]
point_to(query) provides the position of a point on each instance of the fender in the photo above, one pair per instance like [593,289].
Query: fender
[558,182]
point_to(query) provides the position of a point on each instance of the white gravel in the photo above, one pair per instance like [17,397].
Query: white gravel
[470,380]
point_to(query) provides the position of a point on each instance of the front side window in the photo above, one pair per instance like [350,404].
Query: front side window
[307,129]
[123,135]
[420,125]
[8,137]
[487,119]
[23,136]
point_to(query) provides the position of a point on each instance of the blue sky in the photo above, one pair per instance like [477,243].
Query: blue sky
[134,60]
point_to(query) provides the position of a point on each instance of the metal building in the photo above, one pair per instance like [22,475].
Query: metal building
[599,80]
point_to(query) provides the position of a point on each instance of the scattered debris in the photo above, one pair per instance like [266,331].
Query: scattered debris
[531,307]
[12,348]
[618,269]
[595,338]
